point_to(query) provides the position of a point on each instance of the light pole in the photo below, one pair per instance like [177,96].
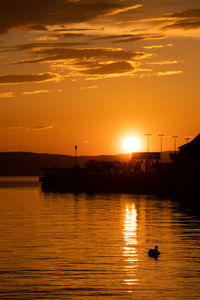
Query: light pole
[148,135]
[161,136]
[175,137]
[187,139]
[75,157]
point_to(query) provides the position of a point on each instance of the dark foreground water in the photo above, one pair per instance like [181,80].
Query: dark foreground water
[79,246]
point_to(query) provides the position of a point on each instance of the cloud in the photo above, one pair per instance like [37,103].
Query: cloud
[122,38]
[121,10]
[89,61]
[93,54]
[92,87]
[85,25]
[190,13]
[49,48]
[75,29]
[38,15]
[7,95]
[183,24]
[59,36]
[157,46]
[39,46]
[37,92]
[43,127]
[31,127]
[167,73]
[110,68]
[186,19]
[164,62]
[29,78]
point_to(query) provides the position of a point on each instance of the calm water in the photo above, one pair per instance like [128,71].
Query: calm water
[79,246]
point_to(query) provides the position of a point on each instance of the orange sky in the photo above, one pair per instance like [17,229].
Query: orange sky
[92,72]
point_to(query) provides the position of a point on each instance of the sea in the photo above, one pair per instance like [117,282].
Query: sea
[95,246]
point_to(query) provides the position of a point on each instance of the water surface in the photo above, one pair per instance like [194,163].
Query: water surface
[81,246]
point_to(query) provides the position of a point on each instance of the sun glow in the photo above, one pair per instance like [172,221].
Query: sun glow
[131,144]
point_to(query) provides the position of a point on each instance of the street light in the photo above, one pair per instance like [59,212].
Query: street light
[148,135]
[75,157]
[187,139]
[175,137]
[161,136]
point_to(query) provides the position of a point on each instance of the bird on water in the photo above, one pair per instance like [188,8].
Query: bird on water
[154,252]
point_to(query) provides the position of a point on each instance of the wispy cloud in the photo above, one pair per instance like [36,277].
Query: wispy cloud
[37,92]
[91,87]
[167,73]
[125,38]
[186,19]
[39,46]
[124,9]
[57,54]
[55,37]
[43,127]
[110,68]
[89,61]
[21,79]
[93,33]
[38,15]
[75,29]
[165,62]
[157,46]
[7,95]
[31,127]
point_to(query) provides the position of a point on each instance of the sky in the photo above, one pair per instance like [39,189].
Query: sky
[92,72]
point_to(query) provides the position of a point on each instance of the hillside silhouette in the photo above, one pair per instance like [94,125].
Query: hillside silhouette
[30,164]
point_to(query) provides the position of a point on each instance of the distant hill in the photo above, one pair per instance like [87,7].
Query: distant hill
[30,164]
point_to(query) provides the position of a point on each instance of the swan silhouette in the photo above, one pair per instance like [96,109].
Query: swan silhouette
[154,252]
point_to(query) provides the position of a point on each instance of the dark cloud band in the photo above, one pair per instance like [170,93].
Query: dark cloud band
[20,79]
[37,14]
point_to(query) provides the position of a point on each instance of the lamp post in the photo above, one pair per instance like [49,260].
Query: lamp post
[161,136]
[187,139]
[75,157]
[148,135]
[175,137]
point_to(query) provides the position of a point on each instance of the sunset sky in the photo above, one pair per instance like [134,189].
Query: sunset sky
[92,72]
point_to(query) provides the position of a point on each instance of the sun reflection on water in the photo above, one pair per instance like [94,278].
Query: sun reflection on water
[130,237]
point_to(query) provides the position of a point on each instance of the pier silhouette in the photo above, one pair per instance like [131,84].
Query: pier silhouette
[145,173]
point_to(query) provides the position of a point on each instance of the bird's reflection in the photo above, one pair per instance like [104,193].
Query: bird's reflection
[130,237]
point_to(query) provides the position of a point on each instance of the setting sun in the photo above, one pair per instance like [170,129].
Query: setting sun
[131,144]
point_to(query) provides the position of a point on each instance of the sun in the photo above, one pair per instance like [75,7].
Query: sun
[131,144]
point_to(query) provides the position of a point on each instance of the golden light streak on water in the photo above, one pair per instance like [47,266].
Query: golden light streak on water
[130,237]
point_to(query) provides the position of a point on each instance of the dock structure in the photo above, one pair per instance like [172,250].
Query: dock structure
[143,174]
[146,160]
[187,160]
